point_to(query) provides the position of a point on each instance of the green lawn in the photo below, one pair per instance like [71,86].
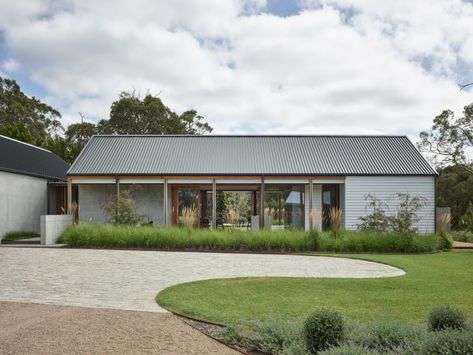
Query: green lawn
[431,280]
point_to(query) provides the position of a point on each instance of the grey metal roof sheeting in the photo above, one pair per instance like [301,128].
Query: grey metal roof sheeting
[250,155]
[22,158]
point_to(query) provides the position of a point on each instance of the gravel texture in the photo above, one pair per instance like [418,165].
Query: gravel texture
[130,280]
[47,329]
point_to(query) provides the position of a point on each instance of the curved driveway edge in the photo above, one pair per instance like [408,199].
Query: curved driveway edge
[130,280]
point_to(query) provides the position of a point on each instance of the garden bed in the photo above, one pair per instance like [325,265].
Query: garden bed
[287,241]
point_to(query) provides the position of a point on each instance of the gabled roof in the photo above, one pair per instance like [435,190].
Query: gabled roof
[175,155]
[26,159]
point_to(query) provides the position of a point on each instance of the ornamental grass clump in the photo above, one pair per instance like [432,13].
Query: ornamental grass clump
[190,216]
[446,317]
[335,217]
[322,330]
[232,216]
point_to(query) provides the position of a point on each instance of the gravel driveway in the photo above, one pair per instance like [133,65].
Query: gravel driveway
[130,280]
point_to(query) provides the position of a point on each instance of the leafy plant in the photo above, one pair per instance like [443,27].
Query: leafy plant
[323,329]
[405,218]
[402,221]
[446,317]
[121,209]
[377,219]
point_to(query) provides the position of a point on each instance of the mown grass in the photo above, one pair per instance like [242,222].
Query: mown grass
[431,280]
[173,238]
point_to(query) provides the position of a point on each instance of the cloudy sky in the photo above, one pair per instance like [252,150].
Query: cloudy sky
[248,66]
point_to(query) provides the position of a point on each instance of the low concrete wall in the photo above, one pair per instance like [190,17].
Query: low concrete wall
[52,226]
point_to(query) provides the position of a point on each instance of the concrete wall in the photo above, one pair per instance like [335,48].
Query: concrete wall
[148,199]
[23,199]
[385,188]
[52,226]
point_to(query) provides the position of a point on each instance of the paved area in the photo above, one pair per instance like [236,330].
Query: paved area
[130,280]
[46,329]
[462,245]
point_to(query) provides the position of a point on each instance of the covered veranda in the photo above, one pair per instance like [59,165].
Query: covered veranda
[244,203]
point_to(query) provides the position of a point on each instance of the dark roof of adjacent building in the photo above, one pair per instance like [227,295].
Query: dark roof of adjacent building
[175,155]
[26,159]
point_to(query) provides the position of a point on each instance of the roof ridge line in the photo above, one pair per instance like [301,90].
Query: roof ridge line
[28,144]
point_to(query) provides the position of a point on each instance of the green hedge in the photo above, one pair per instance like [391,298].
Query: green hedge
[113,236]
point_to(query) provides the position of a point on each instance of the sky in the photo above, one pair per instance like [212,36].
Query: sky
[248,66]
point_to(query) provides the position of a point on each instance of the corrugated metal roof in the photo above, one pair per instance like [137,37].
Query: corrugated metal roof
[250,155]
[22,158]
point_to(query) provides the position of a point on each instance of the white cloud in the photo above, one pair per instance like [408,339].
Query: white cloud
[248,72]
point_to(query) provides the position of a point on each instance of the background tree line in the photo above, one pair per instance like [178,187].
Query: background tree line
[32,121]
[449,143]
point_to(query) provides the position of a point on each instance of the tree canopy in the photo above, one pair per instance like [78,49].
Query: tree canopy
[449,139]
[26,118]
[449,142]
[29,120]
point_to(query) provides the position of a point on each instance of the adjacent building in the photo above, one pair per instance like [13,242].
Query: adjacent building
[32,183]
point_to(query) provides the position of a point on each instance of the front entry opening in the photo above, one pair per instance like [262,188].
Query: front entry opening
[330,199]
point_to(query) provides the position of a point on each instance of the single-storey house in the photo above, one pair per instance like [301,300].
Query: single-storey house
[32,184]
[284,179]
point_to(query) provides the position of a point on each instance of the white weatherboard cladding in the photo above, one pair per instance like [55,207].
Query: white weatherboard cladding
[386,188]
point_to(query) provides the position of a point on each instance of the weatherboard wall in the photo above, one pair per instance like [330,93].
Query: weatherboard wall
[385,188]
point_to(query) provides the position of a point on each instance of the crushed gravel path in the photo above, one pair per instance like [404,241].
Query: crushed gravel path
[47,329]
[130,280]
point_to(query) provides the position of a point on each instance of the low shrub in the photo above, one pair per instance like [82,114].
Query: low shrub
[229,335]
[381,242]
[445,242]
[449,342]
[275,337]
[386,336]
[123,236]
[348,349]
[463,236]
[19,235]
[446,317]
[323,329]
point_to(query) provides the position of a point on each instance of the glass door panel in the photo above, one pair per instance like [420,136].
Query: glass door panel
[188,206]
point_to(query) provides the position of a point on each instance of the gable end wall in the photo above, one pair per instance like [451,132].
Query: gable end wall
[385,188]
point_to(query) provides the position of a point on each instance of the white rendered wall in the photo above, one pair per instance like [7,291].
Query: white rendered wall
[385,188]
[23,199]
